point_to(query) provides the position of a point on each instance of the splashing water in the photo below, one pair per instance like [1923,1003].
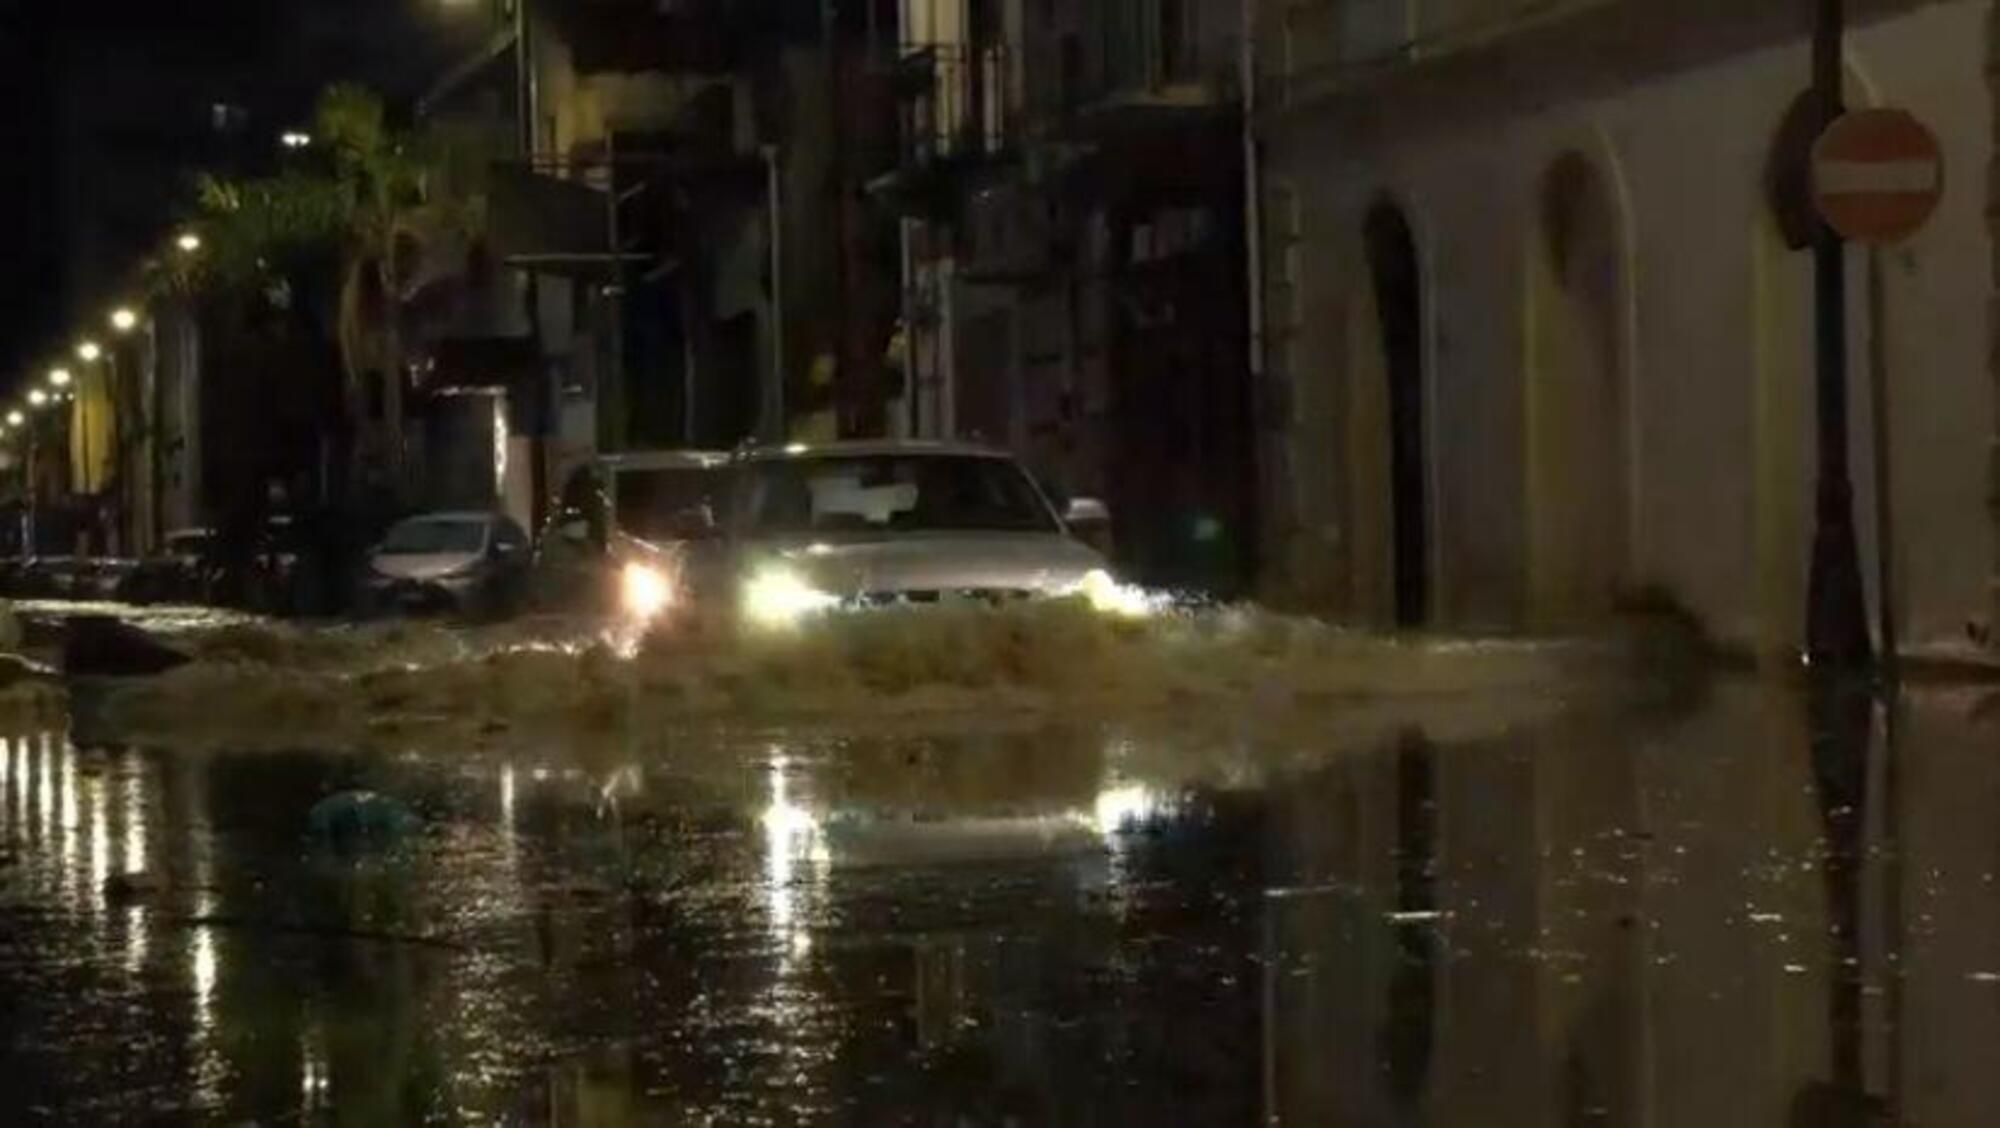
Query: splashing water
[370,685]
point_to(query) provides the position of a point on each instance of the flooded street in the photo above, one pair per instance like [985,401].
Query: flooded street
[1734,907]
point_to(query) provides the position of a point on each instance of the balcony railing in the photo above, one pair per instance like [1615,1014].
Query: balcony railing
[959,102]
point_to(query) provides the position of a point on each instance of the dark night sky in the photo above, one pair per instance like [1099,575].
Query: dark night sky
[107,110]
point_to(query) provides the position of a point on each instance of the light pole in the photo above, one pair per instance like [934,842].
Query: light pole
[37,399]
[1836,613]
[15,421]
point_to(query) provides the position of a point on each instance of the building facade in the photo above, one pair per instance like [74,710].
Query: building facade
[1071,187]
[1539,339]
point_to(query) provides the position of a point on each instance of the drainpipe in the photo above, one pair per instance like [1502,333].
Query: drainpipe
[773,408]
[1253,187]
[1253,241]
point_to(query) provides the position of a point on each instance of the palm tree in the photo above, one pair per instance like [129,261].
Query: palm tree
[360,213]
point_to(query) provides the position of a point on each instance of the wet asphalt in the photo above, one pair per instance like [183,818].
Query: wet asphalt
[1741,906]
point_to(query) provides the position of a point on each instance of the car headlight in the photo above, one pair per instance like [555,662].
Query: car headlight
[780,597]
[644,591]
[1108,596]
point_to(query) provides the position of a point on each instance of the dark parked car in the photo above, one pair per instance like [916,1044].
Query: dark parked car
[181,571]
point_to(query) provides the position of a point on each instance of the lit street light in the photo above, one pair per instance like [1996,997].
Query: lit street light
[59,377]
[124,320]
[293,139]
[15,418]
[188,242]
[87,352]
[38,397]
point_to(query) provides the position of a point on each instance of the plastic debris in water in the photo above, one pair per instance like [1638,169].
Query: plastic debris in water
[361,820]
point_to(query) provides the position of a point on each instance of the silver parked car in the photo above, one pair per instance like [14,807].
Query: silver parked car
[858,524]
[470,563]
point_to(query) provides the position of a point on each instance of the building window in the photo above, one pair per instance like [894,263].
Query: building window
[1374,30]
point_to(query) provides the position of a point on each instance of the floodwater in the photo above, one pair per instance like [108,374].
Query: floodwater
[1734,906]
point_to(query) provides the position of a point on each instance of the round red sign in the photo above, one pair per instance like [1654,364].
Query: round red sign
[1877,175]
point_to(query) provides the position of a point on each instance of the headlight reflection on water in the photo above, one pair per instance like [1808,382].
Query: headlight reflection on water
[792,836]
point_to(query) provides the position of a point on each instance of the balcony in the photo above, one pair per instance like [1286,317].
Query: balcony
[671,36]
[1137,61]
[959,103]
[958,109]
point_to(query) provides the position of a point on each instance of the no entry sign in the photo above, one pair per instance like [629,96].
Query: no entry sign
[1877,175]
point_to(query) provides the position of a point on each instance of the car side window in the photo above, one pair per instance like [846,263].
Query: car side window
[509,535]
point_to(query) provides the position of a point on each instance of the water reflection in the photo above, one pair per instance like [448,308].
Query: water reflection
[1719,916]
[795,859]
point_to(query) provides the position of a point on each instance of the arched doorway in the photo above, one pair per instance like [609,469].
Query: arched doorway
[1580,540]
[1393,268]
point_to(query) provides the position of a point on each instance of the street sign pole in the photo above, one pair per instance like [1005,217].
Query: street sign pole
[1885,497]
[1836,614]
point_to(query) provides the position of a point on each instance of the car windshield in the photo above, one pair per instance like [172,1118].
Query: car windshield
[435,537]
[836,495]
[649,502]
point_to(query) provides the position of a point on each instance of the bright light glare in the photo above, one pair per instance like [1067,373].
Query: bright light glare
[124,320]
[37,397]
[89,351]
[188,242]
[779,597]
[294,139]
[1121,808]
[1113,598]
[59,377]
[15,419]
[645,591]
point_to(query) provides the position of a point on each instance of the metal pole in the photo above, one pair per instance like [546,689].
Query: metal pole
[773,409]
[524,76]
[155,429]
[29,534]
[1885,498]
[528,107]
[1836,615]
[1253,189]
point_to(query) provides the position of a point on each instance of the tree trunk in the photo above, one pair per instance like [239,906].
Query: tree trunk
[392,379]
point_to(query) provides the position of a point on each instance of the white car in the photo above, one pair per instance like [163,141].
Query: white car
[470,563]
[861,524]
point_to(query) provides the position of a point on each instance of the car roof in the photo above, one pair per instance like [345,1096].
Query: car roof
[873,448]
[664,460]
[454,515]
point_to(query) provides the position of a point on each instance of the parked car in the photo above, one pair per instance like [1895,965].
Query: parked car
[102,578]
[467,563]
[182,570]
[861,524]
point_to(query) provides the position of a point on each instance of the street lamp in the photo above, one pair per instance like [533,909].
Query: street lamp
[60,377]
[15,418]
[38,397]
[189,242]
[124,320]
[88,352]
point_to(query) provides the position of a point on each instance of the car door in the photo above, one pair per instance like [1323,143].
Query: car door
[512,558]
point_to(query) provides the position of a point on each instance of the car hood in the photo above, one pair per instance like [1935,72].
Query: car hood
[429,566]
[1044,563]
